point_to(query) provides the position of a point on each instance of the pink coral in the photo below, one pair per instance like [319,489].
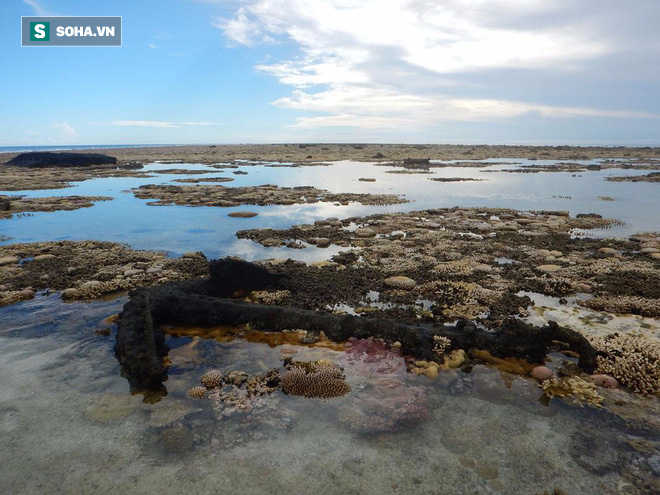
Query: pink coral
[387,402]
[372,356]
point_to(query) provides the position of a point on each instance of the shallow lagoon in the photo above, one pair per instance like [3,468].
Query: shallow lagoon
[69,424]
[178,229]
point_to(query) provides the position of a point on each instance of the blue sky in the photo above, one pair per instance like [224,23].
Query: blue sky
[442,71]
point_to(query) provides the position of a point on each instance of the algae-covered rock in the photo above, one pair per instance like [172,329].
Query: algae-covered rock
[49,159]
[176,440]
[9,260]
[242,214]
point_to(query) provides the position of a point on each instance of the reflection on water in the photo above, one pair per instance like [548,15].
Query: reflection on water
[179,229]
[68,423]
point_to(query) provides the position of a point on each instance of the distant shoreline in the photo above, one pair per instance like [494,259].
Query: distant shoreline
[359,152]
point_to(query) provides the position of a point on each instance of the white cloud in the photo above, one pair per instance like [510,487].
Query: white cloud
[388,63]
[155,123]
[38,8]
[153,46]
[242,30]
[371,108]
[64,133]
[444,37]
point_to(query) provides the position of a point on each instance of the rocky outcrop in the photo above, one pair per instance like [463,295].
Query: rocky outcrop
[140,346]
[50,159]
[417,162]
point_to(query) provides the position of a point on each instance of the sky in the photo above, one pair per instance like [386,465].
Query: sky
[577,72]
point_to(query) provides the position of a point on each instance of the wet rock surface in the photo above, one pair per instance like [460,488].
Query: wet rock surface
[582,167]
[11,205]
[263,195]
[455,179]
[652,177]
[14,178]
[243,214]
[207,179]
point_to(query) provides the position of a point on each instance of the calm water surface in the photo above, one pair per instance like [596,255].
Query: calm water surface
[179,228]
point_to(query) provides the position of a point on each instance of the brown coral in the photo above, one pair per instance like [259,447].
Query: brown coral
[177,439]
[633,360]
[266,297]
[211,379]
[400,282]
[236,378]
[580,390]
[314,379]
[625,304]
[441,344]
[197,393]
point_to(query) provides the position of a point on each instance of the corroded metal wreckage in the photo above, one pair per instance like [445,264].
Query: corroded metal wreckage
[141,349]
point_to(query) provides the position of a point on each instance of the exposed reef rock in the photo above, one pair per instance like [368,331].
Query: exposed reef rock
[582,167]
[416,162]
[87,269]
[40,159]
[474,262]
[11,205]
[267,194]
[455,179]
[16,178]
[298,154]
[652,177]
[140,342]
[207,179]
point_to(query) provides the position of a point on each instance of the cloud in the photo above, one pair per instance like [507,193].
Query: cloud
[155,123]
[39,9]
[153,46]
[64,133]
[370,108]
[394,63]
[446,37]
[240,29]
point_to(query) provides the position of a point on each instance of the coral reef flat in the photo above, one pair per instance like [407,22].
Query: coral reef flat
[368,343]
[368,152]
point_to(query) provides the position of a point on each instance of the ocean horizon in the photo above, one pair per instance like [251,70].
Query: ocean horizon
[26,148]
